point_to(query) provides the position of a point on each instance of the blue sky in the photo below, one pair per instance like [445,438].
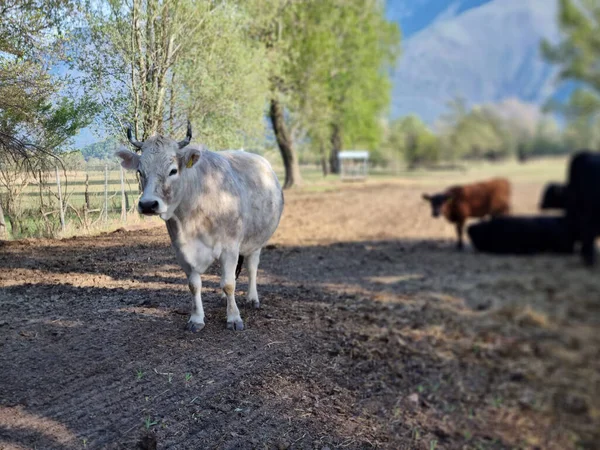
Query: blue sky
[415,15]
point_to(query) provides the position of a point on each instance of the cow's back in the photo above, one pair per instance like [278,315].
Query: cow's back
[481,199]
[522,235]
[261,197]
[583,189]
[231,197]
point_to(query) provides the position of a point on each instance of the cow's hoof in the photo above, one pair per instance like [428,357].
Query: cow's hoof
[254,302]
[194,327]
[238,325]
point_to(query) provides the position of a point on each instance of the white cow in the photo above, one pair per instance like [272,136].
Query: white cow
[223,206]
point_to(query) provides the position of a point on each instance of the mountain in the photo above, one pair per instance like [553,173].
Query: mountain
[482,51]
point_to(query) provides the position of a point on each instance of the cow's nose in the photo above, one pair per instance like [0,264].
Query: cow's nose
[148,207]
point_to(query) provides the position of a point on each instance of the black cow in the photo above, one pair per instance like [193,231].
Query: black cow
[522,235]
[583,201]
[554,197]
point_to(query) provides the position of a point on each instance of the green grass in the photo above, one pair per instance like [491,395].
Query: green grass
[540,170]
[73,186]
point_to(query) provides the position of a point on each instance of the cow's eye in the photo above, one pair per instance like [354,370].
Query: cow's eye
[173,172]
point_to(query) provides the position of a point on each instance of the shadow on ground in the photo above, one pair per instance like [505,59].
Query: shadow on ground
[385,344]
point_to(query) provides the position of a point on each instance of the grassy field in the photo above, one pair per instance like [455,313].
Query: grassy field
[73,185]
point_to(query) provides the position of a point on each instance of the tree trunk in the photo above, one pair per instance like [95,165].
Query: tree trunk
[3,232]
[324,167]
[286,147]
[336,147]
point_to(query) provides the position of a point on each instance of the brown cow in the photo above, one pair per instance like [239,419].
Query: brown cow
[458,203]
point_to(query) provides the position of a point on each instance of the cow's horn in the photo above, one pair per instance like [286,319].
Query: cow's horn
[135,143]
[188,136]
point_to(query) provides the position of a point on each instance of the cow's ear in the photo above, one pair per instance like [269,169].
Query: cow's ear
[188,157]
[426,197]
[129,160]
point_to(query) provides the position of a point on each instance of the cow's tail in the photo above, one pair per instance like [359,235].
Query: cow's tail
[238,269]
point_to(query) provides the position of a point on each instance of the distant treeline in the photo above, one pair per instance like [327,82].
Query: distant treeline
[103,151]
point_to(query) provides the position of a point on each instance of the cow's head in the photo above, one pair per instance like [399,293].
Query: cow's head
[161,168]
[554,197]
[436,201]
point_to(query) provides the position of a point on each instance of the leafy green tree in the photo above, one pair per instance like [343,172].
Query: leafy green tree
[327,72]
[157,63]
[578,55]
[272,30]
[410,137]
[365,47]
[38,116]
[74,160]
[306,67]
[547,140]
[582,132]
[475,133]
[103,150]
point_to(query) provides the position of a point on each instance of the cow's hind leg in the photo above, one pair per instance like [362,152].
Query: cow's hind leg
[229,261]
[196,321]
[588,249]
[252,268]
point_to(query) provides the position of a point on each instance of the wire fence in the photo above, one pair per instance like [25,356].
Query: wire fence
[58,202]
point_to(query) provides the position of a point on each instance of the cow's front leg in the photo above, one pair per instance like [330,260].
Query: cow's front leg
[196,321]
[459,235]
[228,264]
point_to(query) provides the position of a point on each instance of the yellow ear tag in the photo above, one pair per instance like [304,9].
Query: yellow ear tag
[190,163]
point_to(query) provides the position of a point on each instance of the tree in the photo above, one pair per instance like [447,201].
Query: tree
[414,140]
[578,56]
[38,117]
[582,132]
[271,31]
[307,66]
[547,139]
[483,131]
[365,47]
[30,42]
[157,63]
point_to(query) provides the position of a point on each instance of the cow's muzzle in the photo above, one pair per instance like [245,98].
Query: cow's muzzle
[149,207]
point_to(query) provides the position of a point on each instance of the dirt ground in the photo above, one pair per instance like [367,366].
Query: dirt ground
[374,332]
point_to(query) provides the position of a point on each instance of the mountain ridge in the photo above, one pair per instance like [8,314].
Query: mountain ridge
[484,54]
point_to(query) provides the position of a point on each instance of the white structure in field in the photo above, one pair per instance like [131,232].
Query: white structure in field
[354,164]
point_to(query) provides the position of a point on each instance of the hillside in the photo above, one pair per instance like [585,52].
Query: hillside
[484,54]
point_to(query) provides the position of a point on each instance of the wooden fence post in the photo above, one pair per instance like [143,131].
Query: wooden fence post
[86,193]
[123,197]
[41,186]
[106,193]
[60,201]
